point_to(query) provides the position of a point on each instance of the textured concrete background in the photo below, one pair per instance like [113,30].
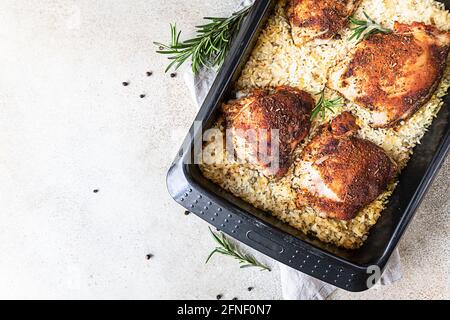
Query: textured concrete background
[68,127]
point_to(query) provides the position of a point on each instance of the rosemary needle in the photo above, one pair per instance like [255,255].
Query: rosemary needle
[324,105]
[228,249]
[210,46]
[364,28]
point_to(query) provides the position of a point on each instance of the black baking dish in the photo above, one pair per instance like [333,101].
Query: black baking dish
[347,269]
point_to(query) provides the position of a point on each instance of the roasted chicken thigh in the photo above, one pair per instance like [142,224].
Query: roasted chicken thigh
[339,173]
[266,126]
[393,75]
[311,19]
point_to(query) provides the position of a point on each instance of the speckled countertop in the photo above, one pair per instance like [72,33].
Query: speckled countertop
[69,127]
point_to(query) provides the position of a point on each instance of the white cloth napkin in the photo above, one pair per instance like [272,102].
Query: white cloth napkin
[295,285]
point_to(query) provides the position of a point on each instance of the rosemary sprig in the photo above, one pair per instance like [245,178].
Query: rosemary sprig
[365,28]
[210,46]
[228,249]
[324,105]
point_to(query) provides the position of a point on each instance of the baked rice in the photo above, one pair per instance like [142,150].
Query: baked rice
[274,61]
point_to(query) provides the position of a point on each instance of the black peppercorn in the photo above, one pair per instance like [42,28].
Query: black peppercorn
[186,213]
[235,298]
[250,288]
[149,73]
[95,190]
[173,75]
[142,96]
[125,84]
[149,256]
[219,296]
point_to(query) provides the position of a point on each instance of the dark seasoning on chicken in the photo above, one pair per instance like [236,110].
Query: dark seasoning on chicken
[312,19]
[286,109]
[336,173]
[392,75]
[341,172]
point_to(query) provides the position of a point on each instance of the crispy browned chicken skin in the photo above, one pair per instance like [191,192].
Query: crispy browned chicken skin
[341,173]
[286,109]
[393,75]
[311,19]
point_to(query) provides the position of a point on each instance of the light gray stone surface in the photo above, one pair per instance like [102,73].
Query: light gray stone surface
[68,127]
